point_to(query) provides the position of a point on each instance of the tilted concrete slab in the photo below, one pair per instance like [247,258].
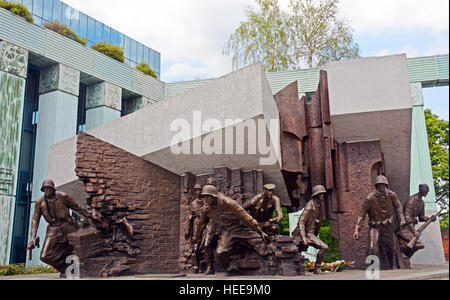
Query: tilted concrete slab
[243,96]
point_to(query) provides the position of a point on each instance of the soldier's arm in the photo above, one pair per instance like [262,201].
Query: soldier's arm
[408,213]
[303,220]
[75,206]
[35,223]
[202,222]
[278,209]
[250,204]
[362,216]
[399,210]
[422,217]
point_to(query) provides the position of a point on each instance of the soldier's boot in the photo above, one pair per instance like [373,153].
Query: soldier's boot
[319,260]
[209,255]
[210,270]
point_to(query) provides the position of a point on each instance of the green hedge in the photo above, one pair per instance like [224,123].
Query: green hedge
[333,244]
[65,31]
[17,9]
[146,69]
[21,269]
[112,51]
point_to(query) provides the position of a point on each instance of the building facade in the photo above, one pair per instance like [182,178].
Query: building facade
[52,87]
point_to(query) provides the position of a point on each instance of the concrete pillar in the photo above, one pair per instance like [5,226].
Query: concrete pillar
[421,172]
[57,121]
[135,104]
[103,104]
[13,71]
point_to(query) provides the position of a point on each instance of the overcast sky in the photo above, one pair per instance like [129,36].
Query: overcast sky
[190,34]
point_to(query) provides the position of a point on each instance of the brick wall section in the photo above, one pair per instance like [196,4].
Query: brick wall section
[120,185]
[445,242]
[361,157]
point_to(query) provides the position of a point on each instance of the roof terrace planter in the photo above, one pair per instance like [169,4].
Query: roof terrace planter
[65,31]
[17,9]
[110,50]
[146,69]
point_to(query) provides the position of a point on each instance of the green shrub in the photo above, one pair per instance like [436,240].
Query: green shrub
[65,31]
[17,9]
[333,244]
[444,221]
[21,269]
[145,68]
[112,51]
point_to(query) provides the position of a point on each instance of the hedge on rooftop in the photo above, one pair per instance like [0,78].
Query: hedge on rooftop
[146,69]
[17,9]
[65,31]
[110,50]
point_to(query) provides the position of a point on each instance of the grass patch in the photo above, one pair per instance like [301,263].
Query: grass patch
[21,269]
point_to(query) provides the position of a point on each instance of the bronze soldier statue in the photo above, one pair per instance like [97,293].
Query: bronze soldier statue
[238,227]
[262,208]
[384,210]
[194,217]
[55,208]
[309,226]
[414,211]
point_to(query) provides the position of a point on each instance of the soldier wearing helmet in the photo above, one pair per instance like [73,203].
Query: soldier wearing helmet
[384,209]
[309,225]
[414,211]
[238,227]
[262,208]
[55,208]
[193,211]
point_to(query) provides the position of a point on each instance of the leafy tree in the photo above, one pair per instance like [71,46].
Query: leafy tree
[310,31]
[438,140]
[319,35]
[263,37]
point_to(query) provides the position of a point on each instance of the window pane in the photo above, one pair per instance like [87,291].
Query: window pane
[37,8]
[113,37]
[106,31]
[120,40]
[127,47]
[145,55]
[65,14]
[133,51]
[140,50]
[98,31]
[91,29]
[158,62]
[48,10]
[57,11]
[28,4]
[83,26]
[75,21]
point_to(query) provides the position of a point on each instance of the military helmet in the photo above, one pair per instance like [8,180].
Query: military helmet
[381,180]
[211,181]
[270,187]
[198,187]
[319,189]
[48,183]
[209,190]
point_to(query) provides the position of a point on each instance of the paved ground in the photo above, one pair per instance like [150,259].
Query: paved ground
[418,272]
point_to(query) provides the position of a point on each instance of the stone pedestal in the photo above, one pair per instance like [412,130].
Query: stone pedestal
[13,71]
[58,109]
[103,104]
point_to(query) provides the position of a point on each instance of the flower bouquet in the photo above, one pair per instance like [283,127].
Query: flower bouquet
[337,266]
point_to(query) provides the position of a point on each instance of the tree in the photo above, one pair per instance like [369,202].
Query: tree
[310,31]
[438,140]
[263,37]
[318,34]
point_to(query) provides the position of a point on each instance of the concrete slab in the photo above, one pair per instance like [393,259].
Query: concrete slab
[242,97]
[417,272]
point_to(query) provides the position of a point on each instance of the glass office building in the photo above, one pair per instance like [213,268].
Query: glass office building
[45,11]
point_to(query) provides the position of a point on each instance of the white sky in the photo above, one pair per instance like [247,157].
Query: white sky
[190,34]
